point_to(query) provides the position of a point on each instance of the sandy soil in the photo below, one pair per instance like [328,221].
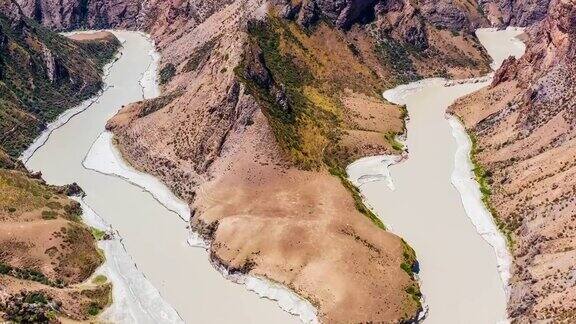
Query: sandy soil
[87,36]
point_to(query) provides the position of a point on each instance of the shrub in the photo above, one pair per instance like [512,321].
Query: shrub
[167,73]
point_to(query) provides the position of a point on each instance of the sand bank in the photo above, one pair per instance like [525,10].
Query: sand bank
[103,157]
[464,180]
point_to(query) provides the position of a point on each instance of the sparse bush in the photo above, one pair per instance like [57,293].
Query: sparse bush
[30,307]
[167,73]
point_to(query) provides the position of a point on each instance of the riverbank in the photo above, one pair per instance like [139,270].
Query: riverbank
[152,235]
[105,158]
[134,298]
[425,209]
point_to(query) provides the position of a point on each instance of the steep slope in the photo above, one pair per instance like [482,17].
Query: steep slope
[45,250]
[263,105]
[41,75]
[524,126]
[521,13]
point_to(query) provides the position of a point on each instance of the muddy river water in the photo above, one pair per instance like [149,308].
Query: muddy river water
[431,200]
[459,269]
[153,236]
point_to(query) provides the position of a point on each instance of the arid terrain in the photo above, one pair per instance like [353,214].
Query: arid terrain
[265,102]
[46,253]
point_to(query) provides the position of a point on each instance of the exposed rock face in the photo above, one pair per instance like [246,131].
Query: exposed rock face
[456,15]
[71,14]
[526,130]
[515,12]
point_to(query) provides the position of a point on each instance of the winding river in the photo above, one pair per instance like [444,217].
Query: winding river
[432,201]
[152,235]
[459,270]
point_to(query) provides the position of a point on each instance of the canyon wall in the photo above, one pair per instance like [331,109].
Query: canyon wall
[524,126]
[521,13]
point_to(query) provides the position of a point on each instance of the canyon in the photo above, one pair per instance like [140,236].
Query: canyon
[264,103]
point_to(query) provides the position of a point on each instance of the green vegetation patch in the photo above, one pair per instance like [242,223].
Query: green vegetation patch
[100,297]
[29,274]
[100,279]
[102,50]
[20,194]
[30,307]
[303,127]
[167,73]
[397,57]
[84,256]
[484,179]
[391,138]
[410,266]
[98,234]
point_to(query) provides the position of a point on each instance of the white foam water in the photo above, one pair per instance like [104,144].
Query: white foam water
[464,180]
[135,299]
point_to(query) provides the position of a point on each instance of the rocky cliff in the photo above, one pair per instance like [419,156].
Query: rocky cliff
[524,126]
[520,13]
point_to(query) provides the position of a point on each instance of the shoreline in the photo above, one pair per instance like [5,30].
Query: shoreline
[130,287]
[377,168]
[465,182]
[105,158]
[70,113]
[134,298]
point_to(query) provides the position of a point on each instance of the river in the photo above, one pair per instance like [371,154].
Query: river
[153,236]
[462,279]
[458,268]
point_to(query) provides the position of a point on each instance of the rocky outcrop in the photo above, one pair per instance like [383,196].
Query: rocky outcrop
[74,14]
[520,13]
[525,125]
